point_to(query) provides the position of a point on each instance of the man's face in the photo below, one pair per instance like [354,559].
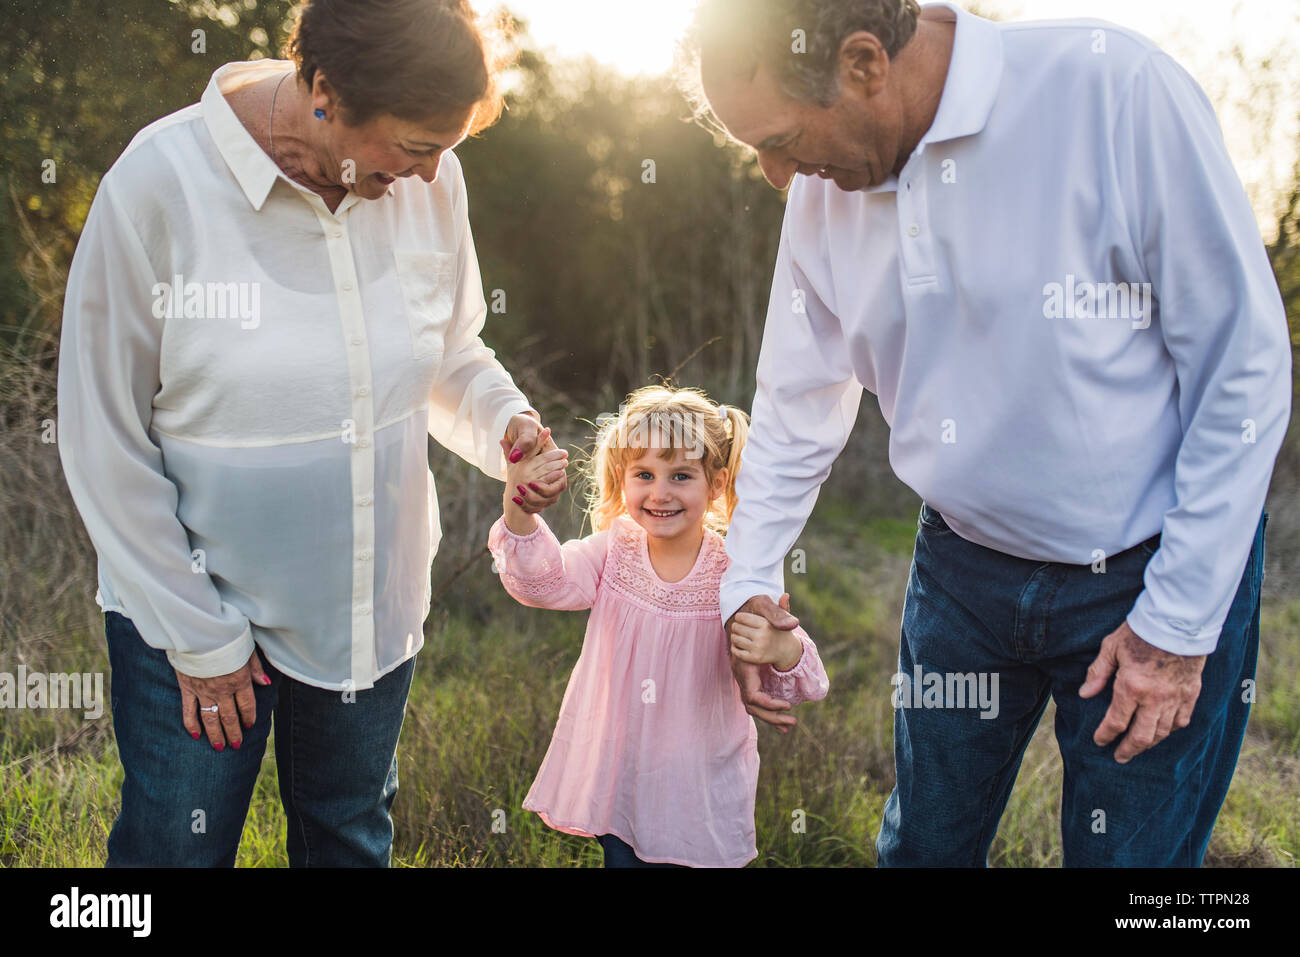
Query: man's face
[854,141]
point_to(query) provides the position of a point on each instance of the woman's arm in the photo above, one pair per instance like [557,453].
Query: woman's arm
[108,377]
[474,399]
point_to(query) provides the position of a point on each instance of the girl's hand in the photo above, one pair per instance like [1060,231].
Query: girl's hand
[757,641]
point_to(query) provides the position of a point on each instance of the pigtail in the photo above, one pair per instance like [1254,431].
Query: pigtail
[737,426]
[604,488]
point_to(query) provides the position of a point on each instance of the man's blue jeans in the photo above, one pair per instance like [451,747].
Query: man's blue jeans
[1037,626]
[184,803]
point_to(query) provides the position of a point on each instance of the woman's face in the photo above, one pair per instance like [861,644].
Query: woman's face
[368,158]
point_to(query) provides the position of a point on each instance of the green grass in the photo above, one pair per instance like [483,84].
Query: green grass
[487,689]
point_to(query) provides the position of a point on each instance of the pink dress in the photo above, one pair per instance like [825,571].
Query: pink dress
[653,743]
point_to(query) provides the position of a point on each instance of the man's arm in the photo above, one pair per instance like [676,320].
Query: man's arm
[805,404]
[1222,320]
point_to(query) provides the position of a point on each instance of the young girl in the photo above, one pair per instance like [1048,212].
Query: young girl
[653,753]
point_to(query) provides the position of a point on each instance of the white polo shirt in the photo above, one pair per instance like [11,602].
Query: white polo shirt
[246,386]
[1065,309]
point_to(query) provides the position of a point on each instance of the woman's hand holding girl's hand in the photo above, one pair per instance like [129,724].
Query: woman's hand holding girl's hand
[528,483]
[757,641]
[524,440]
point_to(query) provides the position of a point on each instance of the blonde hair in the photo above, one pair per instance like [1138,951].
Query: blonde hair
[666,418]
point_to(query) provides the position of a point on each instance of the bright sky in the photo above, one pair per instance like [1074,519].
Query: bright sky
[637,36]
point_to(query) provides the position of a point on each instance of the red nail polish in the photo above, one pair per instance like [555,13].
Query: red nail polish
[533,487]
[235,745]
[219,746]
[266,680]
[524,491]
[517,500]
[516,455]
[194,735]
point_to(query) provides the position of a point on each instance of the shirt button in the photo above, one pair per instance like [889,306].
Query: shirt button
[364,500]
[363,443]
[356,340]
[363,609]
[347,286]
[363,391]
[365,555]
[914,230]
[337,234]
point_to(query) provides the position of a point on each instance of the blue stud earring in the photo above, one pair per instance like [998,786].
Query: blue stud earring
[320,114]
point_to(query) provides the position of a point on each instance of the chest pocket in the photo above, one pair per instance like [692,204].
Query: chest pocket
[428,282]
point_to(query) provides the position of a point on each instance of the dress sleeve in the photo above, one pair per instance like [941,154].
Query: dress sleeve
[108,376]
[806,681]
[541,573]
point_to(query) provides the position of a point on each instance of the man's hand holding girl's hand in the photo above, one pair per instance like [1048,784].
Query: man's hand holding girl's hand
[775,711]
[533,483]
[757,641]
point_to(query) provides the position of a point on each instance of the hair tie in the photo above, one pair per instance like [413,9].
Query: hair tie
[722,412]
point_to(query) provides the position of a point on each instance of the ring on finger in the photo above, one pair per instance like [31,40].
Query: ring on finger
[212,708]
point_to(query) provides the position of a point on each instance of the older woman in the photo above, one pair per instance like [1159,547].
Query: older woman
[274,301]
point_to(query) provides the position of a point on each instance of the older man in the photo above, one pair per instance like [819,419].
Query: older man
[1028,241]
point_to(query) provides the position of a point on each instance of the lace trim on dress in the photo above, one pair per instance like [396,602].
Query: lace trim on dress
[695,596]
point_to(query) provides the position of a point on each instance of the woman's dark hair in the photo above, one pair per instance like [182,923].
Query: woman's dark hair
[415,59]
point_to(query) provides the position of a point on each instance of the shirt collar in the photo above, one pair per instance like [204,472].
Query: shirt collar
[971,87]
[255,172]
[974,76]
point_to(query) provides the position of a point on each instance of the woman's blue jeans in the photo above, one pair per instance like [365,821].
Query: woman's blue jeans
[184,803]
[1037,626]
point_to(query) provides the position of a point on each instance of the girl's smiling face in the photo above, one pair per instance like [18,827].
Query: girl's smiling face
[669,497]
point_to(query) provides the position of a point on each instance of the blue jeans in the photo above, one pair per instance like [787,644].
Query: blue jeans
[1036,627]
[619,853]
[184,803]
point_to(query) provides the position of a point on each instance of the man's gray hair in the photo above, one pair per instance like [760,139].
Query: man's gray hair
[799,40]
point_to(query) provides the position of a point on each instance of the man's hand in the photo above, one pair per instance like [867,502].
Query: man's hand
[525,436]
[233,696]
[761,705]
[1155,692]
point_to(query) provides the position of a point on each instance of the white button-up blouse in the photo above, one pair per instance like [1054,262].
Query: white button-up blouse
[246,382]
